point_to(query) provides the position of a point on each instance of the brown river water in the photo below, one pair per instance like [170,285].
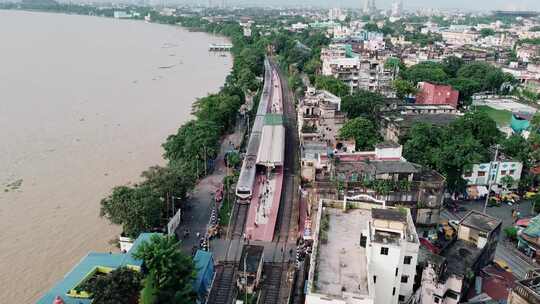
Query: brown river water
[85,103]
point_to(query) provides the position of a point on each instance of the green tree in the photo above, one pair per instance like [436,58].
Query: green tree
[363,131]
[511,233]
[425,71]
[421,143]
[364,104]
[169,270]
[452,64]
[489,77]
[137,209]
[332,85]
[466,87]
[479,125]
[507,181]
[371,27]
[195,142]
[120,286]
[517,147]
[233,159]
[485,32]
[404,88]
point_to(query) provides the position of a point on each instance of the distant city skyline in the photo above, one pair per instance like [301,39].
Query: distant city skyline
[485,5]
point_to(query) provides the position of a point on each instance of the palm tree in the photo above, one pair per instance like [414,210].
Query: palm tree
[170,271]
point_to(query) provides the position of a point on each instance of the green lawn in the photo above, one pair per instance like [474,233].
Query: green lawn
[501,117]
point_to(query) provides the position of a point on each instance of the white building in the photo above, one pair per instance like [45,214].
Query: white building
[358,73]
[364,255]
[336,14]
[480,174]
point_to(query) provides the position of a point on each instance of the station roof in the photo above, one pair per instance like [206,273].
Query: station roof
[271,149]
[273,119]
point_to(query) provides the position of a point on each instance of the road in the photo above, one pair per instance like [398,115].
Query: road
[518,265]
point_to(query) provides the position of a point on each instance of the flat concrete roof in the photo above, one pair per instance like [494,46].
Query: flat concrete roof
[341,262]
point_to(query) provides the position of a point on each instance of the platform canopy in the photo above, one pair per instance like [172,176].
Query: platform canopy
[271,149]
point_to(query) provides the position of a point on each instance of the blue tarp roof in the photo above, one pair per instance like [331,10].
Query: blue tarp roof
[533,229]
[86,265]
[203,260]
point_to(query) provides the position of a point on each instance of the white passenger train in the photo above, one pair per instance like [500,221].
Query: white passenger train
[270,102]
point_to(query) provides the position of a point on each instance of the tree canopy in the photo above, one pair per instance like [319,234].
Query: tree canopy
[137,209]
[363,131]
[425,71]
[453,149]
[170,271]
[332,85]
[120,286]
[364,104]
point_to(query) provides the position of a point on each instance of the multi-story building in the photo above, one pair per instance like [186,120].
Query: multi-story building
[396,122]
[495,173]
[459,37]
[447,277]
[526,291]
[364,255]
[319,117]
[355,71]
[385,175]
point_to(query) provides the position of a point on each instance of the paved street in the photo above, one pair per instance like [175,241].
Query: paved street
[518,265]
[196,218]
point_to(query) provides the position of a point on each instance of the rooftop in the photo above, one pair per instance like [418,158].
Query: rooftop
[389,215]
[480,221]
[89,264]
[341,262]
[252,255]
[387,144]
[394,166]
[461,257]
[434,119]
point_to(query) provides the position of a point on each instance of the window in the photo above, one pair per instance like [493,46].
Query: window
[363,240]
[384,250]
[404,279]
[468,174]
[401,298]
[407,260]
[512,172]
[481,173]
[503,172]
[374,279]
[394,291]
[396,271]
[436,299]
[452,294]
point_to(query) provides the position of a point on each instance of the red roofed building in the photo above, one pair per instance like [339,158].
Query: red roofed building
[436,94]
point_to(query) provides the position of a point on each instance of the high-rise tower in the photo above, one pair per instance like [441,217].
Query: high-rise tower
[369,7]
[397,8]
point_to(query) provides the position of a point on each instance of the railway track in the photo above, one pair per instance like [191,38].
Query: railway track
[291,149]
[272,283]
[222,291]
[239,222]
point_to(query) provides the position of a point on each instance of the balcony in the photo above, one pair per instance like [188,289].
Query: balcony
[527,290]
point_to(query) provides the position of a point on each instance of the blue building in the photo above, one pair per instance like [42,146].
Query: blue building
[92,265]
